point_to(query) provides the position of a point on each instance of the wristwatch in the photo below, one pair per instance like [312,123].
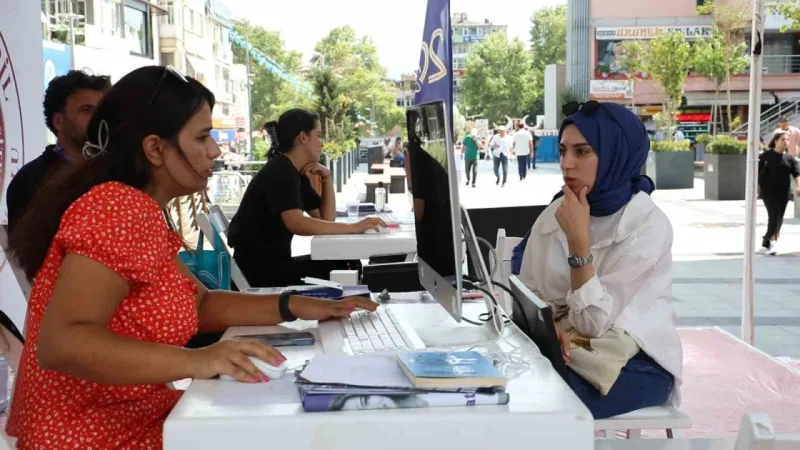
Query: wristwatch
[283,306]
[579,261]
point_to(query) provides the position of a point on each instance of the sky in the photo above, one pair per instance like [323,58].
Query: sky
[396,32]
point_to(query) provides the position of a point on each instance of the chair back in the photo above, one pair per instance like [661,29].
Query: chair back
[218,218]
[756,433]
[209,229]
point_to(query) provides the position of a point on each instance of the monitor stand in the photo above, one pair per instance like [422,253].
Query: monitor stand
[465,335]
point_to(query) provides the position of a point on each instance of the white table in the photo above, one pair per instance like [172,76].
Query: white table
[365,246]
[543,413]
[667,444]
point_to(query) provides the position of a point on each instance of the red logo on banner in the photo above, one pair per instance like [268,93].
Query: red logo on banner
[11,129]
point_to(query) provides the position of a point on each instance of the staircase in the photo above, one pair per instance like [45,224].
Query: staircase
[789,108]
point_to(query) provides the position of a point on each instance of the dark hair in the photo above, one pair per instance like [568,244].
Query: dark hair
[783,119]
[520,125]
[61,88]
[775,138]
[147,101]
[289,125]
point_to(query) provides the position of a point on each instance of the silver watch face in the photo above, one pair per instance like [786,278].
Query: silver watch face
[579,261]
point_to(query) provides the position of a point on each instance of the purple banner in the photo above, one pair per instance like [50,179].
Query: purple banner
[435,72]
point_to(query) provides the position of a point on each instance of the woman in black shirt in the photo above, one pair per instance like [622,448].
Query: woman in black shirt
[775,167]
[273,207]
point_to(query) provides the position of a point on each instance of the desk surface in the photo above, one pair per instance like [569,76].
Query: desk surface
[543,409]
[666,444]
[343,247]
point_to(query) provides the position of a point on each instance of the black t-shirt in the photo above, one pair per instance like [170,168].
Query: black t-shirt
[775,171]
[257,228]
[27,182]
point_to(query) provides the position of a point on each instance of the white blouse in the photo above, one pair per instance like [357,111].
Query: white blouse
[632,286]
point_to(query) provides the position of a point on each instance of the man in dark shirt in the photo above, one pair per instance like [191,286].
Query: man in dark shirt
[69,103]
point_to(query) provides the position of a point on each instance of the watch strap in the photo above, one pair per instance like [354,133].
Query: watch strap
[283,306]
[579,261]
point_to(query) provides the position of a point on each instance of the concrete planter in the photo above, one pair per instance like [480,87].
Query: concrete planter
[671,170]
[724,176]
[338,176]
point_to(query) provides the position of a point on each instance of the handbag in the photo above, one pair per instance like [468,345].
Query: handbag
[212,267]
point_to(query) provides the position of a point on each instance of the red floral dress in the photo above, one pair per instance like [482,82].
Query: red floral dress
[124,229]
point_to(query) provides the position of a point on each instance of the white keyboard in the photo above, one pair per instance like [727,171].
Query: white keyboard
[388,218]
[365,332]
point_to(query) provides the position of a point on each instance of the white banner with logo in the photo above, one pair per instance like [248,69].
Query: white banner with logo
[620,33]
[22,134]
[610,89]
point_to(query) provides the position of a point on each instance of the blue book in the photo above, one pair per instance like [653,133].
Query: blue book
[432,370]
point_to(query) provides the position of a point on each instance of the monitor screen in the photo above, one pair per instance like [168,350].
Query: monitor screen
[433,181]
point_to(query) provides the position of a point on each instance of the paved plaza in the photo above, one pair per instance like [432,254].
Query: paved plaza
[707,252]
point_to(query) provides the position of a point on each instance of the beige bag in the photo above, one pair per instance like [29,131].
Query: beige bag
[600,360]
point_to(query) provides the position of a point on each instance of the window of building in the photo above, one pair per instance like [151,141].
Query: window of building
[137,28]
[480,31]
[169,17]
[473,31]
[168,59]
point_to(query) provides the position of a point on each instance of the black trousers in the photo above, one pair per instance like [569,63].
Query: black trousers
[776,207]
[522,165]
[471,165]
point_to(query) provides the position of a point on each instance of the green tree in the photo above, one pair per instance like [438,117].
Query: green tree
[731,20]
[548,46]
[668,61]
[363,80]
[710,61]
[499,79]
[631,60]
[788,9]
[270,95]
[330,101]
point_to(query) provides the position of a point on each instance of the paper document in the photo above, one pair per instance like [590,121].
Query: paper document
[370,371]
[274,392]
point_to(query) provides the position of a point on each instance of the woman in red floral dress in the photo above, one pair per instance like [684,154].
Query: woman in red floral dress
[112,305]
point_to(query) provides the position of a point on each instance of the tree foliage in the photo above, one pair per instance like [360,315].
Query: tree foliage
[499,80]
[354,62]
[631,59]
[548,46]
[789,10]
[668,61]
[712,60]
[270,95]
[731,20]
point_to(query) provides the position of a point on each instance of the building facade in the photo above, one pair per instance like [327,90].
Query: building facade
[466,34]
[403,89]
[604,24]
[196,39]
[112,37]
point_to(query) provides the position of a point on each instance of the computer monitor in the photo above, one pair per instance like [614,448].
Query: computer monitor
[436,205]
[442,230]
[535,318]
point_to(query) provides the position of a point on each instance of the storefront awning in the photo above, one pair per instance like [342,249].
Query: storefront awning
[737,98]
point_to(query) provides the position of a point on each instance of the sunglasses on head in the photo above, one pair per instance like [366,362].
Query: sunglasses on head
[587,109]
[169,71]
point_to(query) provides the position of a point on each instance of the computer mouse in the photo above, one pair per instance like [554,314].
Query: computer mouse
[273,372]
[381,230]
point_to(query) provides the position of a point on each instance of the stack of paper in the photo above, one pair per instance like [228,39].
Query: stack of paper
[337,383]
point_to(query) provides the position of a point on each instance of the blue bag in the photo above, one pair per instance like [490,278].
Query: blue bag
[212,267]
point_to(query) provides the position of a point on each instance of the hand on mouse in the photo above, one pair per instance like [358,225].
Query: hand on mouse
[370,223]
[230,357]
[320,309]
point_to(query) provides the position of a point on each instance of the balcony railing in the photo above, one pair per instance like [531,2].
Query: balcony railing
[781,64]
